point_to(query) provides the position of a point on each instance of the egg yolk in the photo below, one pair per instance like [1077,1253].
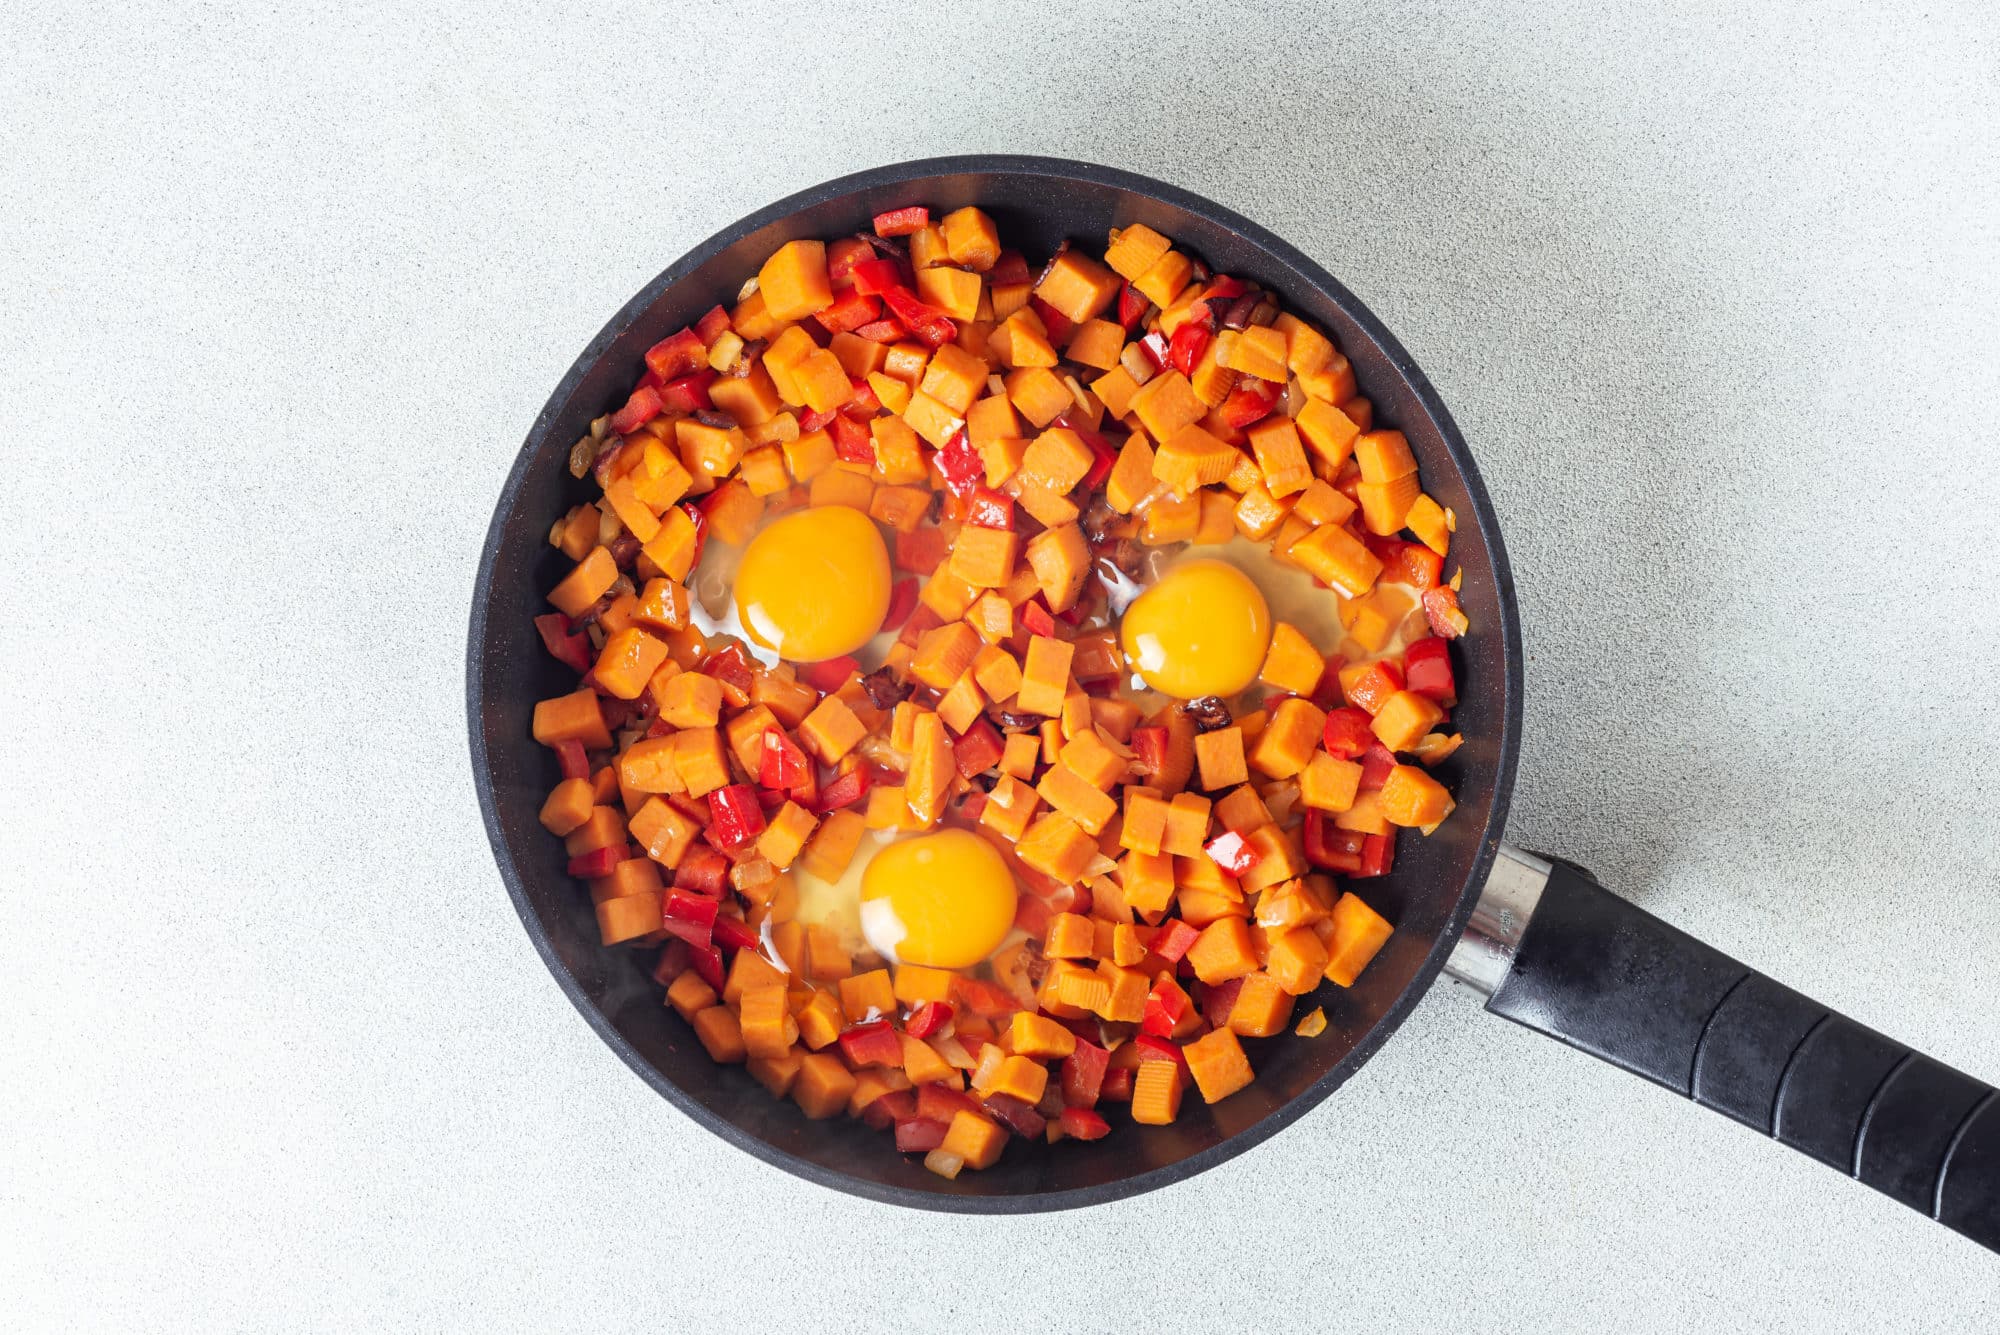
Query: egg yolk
[814,584]
[945,900]
[1202,630]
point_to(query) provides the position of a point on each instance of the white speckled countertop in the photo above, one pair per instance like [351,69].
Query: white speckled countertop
[1710,288]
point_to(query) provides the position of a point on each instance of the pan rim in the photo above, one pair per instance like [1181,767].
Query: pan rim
[1487,523]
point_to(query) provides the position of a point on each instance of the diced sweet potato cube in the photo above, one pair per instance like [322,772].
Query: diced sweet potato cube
[1329,784]
[1057,847]
[917,983]
[1291,664]
[1131,479]
[1057,459]
[1385,506]
[819,1020]
[862,357]
[785,833]
[672,548]
[1329,431]
[932,770]
[832,845]
[793,282]
[831,730]
[1021,1077]
[1145,823]
[1045,676]
[1306,348]
[1404,719]
[1037,1036]
[1364,816]
[1192,458]
[867,996]
[766,1019]
[962,704]
[1069,937]
[1258,351]
[1289,738]
[954,291]
[628,918]
[1165,279]
[923,1065]
[1295,960]
[577,717]
[1242,810]
[1358,933]
[568,806]
[970,238]
[1170,520]
[663,832]
[1321,504]
[1222,951]
[1217,1063]
[1428,520]
[1148,880]
[931,419]
[1134,249]
[591,580]
[1077,286]
[692,700]
[822,381]
[991,419]
[776,1074]
[1165,404]
[984,557]
[996,671]
[1262,1007]
[945,653]
[1279,858]
[1219,757]
[809,456]
[1009,807]
[718,1031]
[1258,513]
[822,1086]
[1020,756]
[1096,343]
[974,1139]
[690,994]
[1039,394]
[1413,798]
[1383,456]
[1060,558]
[1187,824]
[1076,797]
[1114,389]
[840,486]
[954,378]
[1156,1093]
[1280,456]
[1093,761]
[1334,556]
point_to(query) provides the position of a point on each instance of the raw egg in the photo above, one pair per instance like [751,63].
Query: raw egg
[1202,630]
[945,900]
[814,584]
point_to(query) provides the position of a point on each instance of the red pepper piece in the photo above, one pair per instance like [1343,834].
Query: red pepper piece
[572,760]
[1377,763]
[1427,670]
[708,963]
[1171,942]
[1414,564]
[1083,1124]
[732,933]
[928,1018]
[567,648]
[598,862]
[1015,1115]
[1154,345]
[903,221]
[784,764]
[978,749]
[984,998]
[873,1044]
[1165,1007]
[883,331]
[1058,324]
[702,870]
[985,508]
[1372,689]
[1329,847]
[1082,1073]
[676,354]
[1184,350]
[851,440]
[712,325]
[699,517]
[844,791]
[1378,855]
[920,1135]
[829,674]
[688,394]
[674,961]
[902,601]
[849,312]
[1216,299]
[641,408]
[1153,1048]
[1441,609]
[690,917]
[1011,267]
[931,325]
[1035,615]
[889,1107]
[938,1102]
[1149,746]
[961,465]
[815,421]
[1233,853]
[738,817]
[841,257]
[1118,1085]
[1132,306]
[864,403]
[1347,733]
[1103,459]
[1250,402]
[874,277]
[730,666]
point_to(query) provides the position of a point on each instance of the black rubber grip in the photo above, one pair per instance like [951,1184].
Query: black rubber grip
[1609,978]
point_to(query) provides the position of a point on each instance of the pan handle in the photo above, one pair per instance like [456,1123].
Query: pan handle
[1560,954]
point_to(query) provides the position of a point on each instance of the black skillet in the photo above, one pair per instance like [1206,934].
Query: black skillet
[1556,952]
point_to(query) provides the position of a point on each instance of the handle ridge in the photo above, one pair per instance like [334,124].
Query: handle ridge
[1608,978]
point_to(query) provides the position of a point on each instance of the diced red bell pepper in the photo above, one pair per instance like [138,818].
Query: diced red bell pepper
[920,1135]
[1166,1004]
[690,917]
[641,408]
[872,1044]
[688,394]
[844,791]
[1372,689]
[889,1107]
[676,354]
[674,961]
[1035,615]
[1117,1085]
[708,963]
[849,312]
[1414,564]
[816,421]
[984,998]
[1011,267]
[1132,305]
[702,870]
[961,466]
[985,508]
[851,440]
[931,325]
[1184,350]
[864,403]
[1330,847]
[1171,942]
[829,674]
[1233,853]
[1427,670]
[841,257]
[699,517]
[874,277]
[903,221]
[1082,1073]
[598,862]
[1347,733]
[571,759]
[1149,747]
[1216,299]
[937,1101]
[1441,609]
[571,650]
[1378,855]
[1058,324]
[883,331]
[784,765]
[732,933]
[712,325]
[1250,402]
[1015,1115]
[972,805]
[1102,457]
[1217,1000]
[1083,1124]
[738,818]
[1377,763]
[978,749]
[1155,345]
[1153,1048]
[902,601]
[731,666]
[928,1018]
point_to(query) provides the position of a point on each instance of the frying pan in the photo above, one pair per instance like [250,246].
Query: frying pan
[1552,949]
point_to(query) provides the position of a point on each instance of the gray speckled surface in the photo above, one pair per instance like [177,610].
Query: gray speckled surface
[1711,289]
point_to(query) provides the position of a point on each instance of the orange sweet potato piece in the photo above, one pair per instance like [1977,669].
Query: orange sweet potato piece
[1045,676]
[577,717]
[832,845]
[1077,286]
[1334,556]
[591,579]
[568,806]
[629,917]
[793,282]
[1330,432]
[1219,757]
[1328,783]
[1165,404]
[1295,960]
[1060,558]
[1156,1092]
[1404,718]
[690,994]
[823,1086]
[974,1139]
[1262,1007]
[1413,798]
[1222,951]
[1076,797]
[1217,1063]
[1288,739]
[1187,824]
[932,769]
[665,833]
[956,292]
[1358,933]
[718,1031]
[1057,847]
